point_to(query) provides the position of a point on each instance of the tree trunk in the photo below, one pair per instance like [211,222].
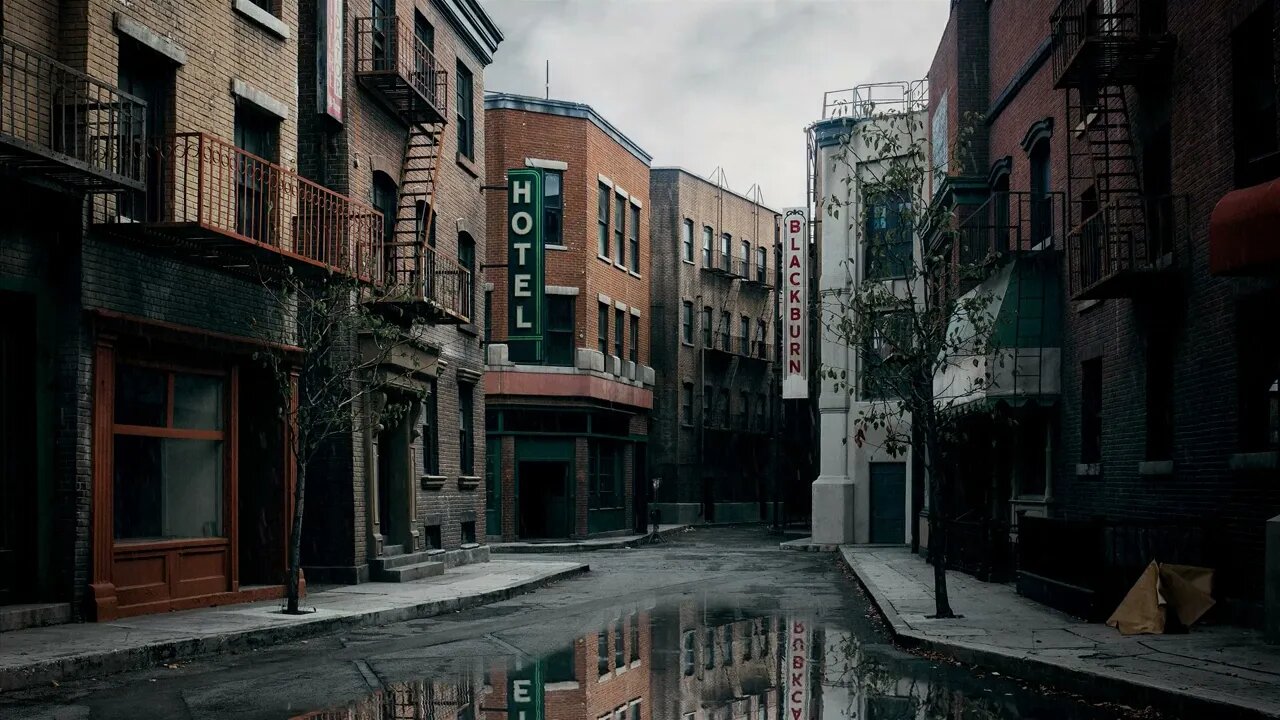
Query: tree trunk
[295,540]
[937,527]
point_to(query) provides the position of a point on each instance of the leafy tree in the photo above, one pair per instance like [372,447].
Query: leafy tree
[903,309]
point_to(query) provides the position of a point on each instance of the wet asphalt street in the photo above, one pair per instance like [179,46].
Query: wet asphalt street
[708,615]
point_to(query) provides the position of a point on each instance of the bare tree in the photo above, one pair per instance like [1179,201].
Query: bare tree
[918,336]
[332,382]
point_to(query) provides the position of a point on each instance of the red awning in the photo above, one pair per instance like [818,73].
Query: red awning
[1244,231]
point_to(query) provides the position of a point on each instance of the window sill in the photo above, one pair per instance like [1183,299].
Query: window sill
[686,262]
[1089,470]
[1155,468]
[433,482]
[604,677]
[686,344]
[1087,305]
[467,164]
[606,260]
[635,663]
[633,273]
[621,669]
[468,482]
[1267,460]
[555,247]
[262,18]
[620,266]
[469,329]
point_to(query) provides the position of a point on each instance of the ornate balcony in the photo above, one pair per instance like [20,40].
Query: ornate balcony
[66,126]
[213,203]
[1009,222]
[422,282]
[730,346]
[1126,247]
[1108,42]
[401,70]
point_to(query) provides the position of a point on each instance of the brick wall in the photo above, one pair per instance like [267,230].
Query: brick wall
[676,450]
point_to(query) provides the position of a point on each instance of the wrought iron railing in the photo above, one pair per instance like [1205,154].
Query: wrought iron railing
[449,285]
[389,47]
[1109,25]
[55,111]
[1009,222]
[876,99]
[1130,233]
[203,183]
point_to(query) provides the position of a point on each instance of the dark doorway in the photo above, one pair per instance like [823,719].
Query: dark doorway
[544,499]
[888,503]
[18,505]
[393,484]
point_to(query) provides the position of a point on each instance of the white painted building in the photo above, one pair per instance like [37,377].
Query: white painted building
[863,493]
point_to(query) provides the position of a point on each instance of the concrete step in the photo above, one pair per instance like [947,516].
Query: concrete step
[390,561]
[18,617]
[389,550]
[409,573]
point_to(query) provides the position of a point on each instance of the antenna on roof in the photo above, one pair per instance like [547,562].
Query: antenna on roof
[548,78]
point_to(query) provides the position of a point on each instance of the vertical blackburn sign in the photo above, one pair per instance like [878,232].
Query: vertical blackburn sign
[796,670]
[795,312]
[526,280]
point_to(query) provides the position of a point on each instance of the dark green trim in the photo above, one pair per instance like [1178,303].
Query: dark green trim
[534,433]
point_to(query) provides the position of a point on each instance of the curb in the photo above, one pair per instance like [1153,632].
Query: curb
[1089,683]
[115,661]
[555,548]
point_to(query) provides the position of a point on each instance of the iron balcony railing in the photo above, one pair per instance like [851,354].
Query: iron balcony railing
[392,59]
[1095,40]
[68,126]
[876,99]
[201,187]
[446,283]
[744,347]
[1131,235]
[1009,221]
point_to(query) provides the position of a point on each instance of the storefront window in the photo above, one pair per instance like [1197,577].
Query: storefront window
[168,455]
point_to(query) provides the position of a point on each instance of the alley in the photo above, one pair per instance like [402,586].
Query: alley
[703,587]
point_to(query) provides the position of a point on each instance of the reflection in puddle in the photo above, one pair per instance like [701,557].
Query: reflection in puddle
[690,661]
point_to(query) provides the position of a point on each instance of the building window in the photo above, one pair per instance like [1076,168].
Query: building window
[762,264]
[744,335]
[257,133]
[706,327]
[688,642]
[560,329]
[619,652]
[726,242]
[424,34]
[762,338]
[384,201]
[706,246]
[431,431]
[602,219]
[602,329]
[888,236]
[686,404]
[707,397]
[1160,355]
[726,408]
[725,323]
[467,529]
[619,328]
[635,710]
[746,259]
[1041,201]
[881,376]
[1257,146]
[466,113]
[686,240]
[553,207]
[709,649]
[604,469]
[635,339]
[744,409]
[602,653]
[1091,411]
[168,464]
[620,229]
[634,239]
[686,322]
[466,433]
[728,645]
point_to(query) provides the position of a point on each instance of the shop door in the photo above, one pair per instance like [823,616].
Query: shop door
[888,503]
[18,508]
[545,509]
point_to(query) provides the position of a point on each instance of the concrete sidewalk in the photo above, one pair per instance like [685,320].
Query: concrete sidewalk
[48,654]
[1212,671]
[573,546]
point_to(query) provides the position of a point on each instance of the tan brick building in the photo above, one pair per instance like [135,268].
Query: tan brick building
[408,138]
[713,323]
[567,432]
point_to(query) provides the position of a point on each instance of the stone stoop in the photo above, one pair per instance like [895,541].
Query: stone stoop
[18,617]
[407,567]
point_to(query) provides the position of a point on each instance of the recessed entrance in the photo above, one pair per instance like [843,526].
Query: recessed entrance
[889,503]
[545,508]
[18,492]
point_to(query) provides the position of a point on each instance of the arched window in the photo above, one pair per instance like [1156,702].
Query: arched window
[1041,203]
[384,201]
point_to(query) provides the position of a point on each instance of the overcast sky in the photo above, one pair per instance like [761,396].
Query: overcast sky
[713,83]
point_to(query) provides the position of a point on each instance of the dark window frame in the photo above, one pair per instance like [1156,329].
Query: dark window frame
[886,234]
[560,330]
[686,240]
[602,328]
[466,429]
[465,112]
[604,208]
[553,208]
[686,322]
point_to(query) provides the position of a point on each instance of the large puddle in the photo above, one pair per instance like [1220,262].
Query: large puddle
[690,661]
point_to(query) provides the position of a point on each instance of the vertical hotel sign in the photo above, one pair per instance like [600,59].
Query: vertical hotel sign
[329,58]
[526,283]
[795,320]
[796,670]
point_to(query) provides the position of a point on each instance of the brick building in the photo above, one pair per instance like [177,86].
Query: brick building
[713,352]
[716,663]
[567,428]
[148,157]
[406,135]
[602,675]
[1120,127]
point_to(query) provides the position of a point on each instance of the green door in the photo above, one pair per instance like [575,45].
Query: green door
[888,503]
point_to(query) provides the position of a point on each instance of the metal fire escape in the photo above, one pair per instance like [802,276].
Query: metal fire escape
[1119,238]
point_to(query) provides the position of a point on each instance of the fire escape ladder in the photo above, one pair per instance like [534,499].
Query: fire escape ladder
[1109,137]
[1028,331]
[415,212]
